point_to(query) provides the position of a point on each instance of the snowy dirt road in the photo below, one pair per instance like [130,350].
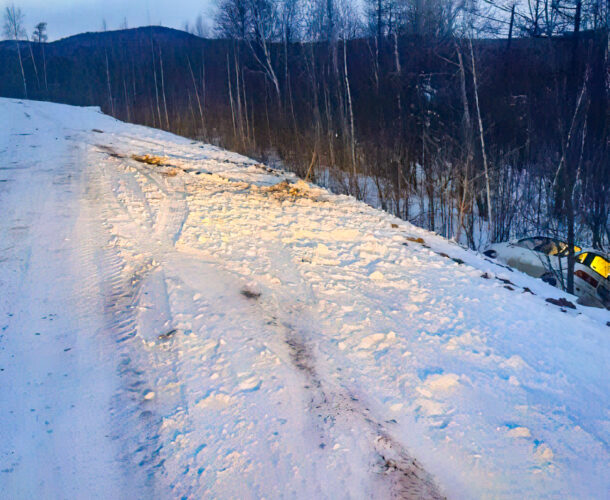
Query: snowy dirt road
[210,327]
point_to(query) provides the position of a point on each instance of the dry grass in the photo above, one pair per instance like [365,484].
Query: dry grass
[286,191]
[416,240]
[171,172]
[150,159]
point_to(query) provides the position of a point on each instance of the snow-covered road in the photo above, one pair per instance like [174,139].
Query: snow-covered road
[210,327]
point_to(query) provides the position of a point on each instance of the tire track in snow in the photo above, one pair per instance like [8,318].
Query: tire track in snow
[331,403]
[139,437]
[338,406]
[135,419]
[143,237]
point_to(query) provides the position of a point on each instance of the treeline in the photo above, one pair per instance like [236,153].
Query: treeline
[477,139]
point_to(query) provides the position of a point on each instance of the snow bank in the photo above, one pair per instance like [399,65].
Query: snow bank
[365,342]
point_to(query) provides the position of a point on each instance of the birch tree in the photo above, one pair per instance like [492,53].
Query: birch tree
[14,30]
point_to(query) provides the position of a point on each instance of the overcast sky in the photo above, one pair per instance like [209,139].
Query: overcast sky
[68,17]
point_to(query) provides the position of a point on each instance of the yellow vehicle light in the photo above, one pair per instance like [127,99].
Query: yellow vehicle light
[600,266]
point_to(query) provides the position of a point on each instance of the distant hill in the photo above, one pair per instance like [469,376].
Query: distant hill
[127,36]
[76,65]
[105,39]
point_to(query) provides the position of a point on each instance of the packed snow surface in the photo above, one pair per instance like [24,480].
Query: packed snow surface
[208,327]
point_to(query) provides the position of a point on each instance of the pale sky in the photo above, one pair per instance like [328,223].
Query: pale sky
[69,17]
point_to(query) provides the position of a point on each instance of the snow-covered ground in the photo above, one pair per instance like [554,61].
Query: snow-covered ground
[214,328]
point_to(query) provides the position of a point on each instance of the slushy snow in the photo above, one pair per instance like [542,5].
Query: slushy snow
[211,327]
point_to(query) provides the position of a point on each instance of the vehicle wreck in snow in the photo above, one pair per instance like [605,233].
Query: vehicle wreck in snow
[547,258]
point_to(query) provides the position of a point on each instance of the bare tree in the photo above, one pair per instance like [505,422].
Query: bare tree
[431,18]
[256,23]
[351,111]
[201,30]
[40,37]
[481,136]
[14,30]
[547,18]
[331,20]
[39,34]
[34,65]
[233,19]
[199,103]
[264,30]
[163,88]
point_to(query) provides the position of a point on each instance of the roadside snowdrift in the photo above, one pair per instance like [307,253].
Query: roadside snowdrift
[203,325]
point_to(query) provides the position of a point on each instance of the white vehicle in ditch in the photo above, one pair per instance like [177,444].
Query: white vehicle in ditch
[547,259]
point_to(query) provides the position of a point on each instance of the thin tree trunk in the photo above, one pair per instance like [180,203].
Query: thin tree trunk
[109,84]
[197,96]
[241,113]
[126,100]
[249,134]
[510,26]
[467,128]
[25,86]
[193,120]
[231,97]
[481,136]
[44,67]
[351,112]
[329,125]
[152,53]
[163,89]
[34,63]
[203,88]
[572,177]
[134,94]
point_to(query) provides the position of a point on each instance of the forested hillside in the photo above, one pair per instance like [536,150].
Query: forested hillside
[477,139]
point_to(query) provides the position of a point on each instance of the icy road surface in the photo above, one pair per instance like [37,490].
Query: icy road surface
[209,327]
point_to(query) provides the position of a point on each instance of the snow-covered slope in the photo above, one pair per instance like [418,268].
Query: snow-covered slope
[210,327]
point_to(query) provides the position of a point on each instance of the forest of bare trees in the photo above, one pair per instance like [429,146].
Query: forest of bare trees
[480,120]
